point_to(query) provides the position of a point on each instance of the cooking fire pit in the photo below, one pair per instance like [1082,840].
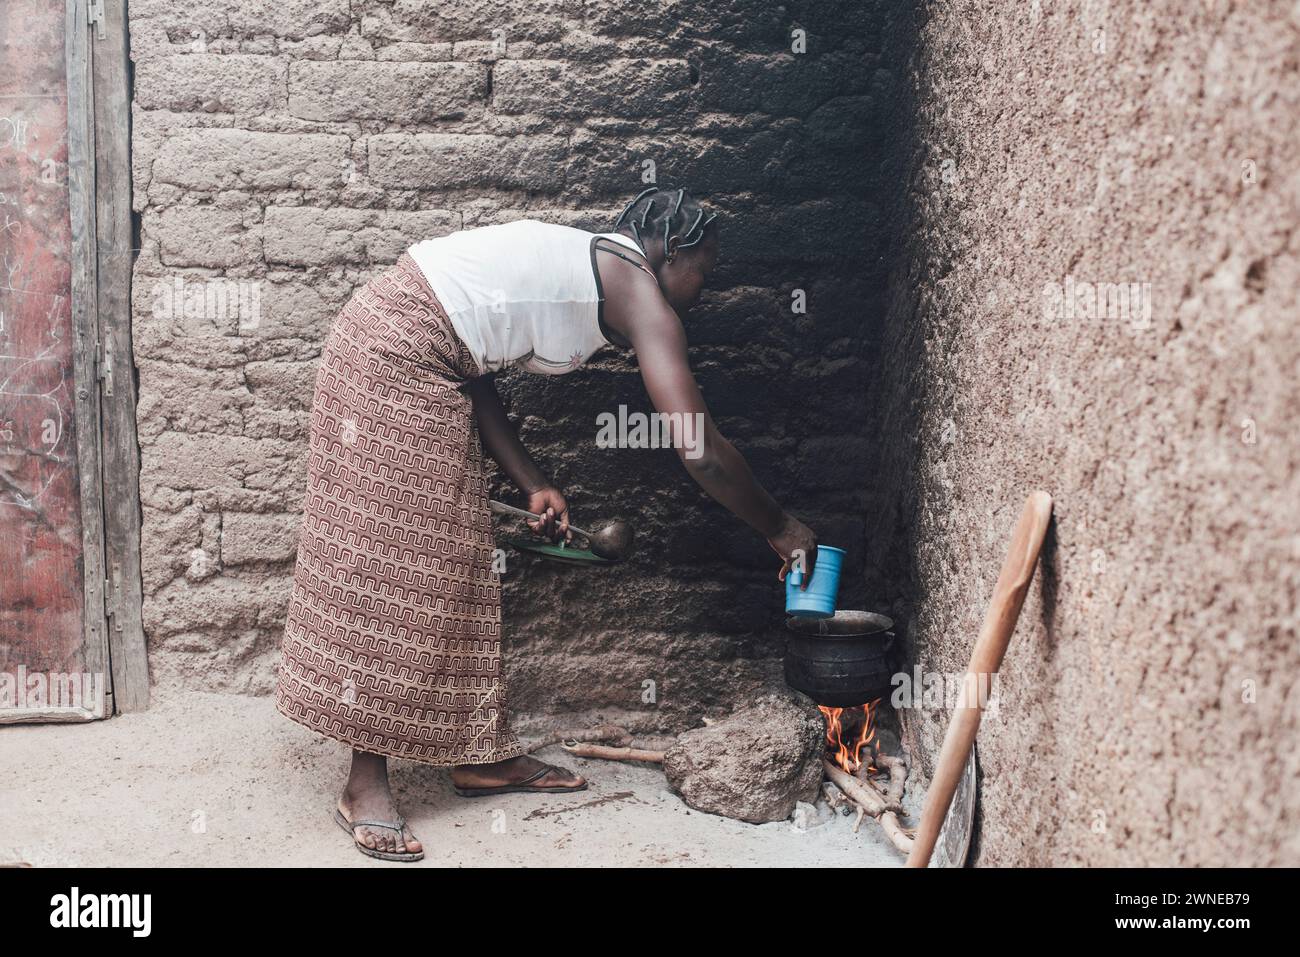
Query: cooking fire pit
[843,664]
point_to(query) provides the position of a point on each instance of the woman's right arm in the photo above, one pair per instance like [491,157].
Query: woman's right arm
[656,334]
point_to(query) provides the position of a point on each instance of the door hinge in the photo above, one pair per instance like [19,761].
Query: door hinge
[113,597]
[95,17]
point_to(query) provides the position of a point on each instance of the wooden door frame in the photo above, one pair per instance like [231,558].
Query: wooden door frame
[99,181]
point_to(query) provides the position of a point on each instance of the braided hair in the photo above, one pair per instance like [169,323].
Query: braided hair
[658,216]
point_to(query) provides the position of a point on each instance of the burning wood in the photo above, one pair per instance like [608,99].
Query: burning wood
[846,749]
[871,800]
[851,759]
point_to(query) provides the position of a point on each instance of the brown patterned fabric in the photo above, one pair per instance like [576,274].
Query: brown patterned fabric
[393,640]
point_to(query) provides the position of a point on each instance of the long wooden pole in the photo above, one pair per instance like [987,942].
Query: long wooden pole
[986,659]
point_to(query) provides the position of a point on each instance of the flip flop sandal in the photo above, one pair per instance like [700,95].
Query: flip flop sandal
[526,785]
[351,828]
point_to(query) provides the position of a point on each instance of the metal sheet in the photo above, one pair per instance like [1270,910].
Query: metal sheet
[954,837]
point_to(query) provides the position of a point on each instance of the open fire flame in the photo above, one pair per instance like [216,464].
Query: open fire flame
[848,732]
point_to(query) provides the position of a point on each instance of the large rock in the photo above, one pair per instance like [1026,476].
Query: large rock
[755,765]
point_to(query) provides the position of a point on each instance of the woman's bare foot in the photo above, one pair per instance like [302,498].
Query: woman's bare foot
[518,774]
[366,797]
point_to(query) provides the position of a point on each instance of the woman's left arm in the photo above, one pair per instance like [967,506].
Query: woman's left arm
[501,441]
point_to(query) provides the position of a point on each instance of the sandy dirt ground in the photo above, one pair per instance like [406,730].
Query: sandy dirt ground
[224,781]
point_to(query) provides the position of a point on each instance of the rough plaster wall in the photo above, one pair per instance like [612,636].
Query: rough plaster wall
[301,146]
[1148,707]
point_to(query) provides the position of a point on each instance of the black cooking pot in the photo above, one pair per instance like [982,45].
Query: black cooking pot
[841,661]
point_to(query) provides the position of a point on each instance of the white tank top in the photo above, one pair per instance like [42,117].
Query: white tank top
[521,294]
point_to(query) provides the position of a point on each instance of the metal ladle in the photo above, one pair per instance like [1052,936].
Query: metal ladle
[613,541]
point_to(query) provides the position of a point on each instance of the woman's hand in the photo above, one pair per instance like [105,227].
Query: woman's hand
[549,503]
[797,546]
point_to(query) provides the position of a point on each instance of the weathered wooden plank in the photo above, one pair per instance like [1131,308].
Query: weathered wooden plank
[81,187]
[121,455]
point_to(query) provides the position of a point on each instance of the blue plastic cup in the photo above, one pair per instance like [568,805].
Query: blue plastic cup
[819,600]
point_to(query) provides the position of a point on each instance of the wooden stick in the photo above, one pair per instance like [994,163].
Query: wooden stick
[893,794]
[836,798]
[894,831]
[897,769]
[869,800]
[995,634]
[868,797]
[602,732]
[604,752]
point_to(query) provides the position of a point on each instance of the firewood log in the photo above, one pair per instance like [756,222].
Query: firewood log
[895,832]
[836,798]
[583,749]
[868,797]
[606,733]
[897,768]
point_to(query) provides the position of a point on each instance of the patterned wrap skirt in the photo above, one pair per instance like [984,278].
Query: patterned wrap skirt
[393,638]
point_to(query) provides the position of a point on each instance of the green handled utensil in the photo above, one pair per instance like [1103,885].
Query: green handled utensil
[551,552]
[613,542]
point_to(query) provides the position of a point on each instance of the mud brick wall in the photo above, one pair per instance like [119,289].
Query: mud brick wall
[1148,707]
[295,148]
